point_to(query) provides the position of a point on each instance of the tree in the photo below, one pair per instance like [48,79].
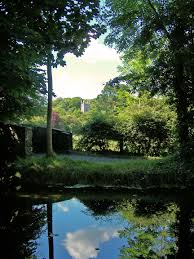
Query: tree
[163,31]
[31,31]
[146,134]
[49,148]
[21,80]
[96,132]
[142,124]
[70,31]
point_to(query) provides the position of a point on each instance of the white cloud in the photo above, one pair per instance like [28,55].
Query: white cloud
[82,244]
[98,51]
[85,76]
[61,206]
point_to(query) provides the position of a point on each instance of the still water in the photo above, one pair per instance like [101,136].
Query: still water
[104,224]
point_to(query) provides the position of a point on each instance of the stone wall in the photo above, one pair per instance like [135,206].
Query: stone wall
[17,140]
[62,141]
[12,141]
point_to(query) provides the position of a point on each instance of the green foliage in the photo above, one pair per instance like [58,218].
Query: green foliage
[142,124]
[157,40]
[149,235]
[63,105]
[30,30]
[147,135]
[36,121]
[21,81]
[69,110]
[145,124]
[96,133]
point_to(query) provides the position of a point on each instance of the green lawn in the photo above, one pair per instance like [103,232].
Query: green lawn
[135,173]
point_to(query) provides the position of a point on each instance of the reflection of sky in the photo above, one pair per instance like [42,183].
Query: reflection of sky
[61,206]
[77,234]
[84,243]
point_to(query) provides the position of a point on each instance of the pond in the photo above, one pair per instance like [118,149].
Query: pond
[98,223]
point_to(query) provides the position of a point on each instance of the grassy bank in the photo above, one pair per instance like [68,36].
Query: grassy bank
[137,173]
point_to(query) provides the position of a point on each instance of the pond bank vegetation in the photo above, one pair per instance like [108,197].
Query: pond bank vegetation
[135,173]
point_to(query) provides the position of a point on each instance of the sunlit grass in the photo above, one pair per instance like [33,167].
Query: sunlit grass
[135,173]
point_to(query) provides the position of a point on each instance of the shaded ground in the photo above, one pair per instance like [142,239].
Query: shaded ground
[98,158]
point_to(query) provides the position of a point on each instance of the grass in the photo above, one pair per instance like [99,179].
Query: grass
[134,173]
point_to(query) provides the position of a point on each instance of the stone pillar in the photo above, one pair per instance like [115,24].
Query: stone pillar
[28,141]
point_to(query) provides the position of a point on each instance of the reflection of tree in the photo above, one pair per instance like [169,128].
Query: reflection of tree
[147,242]
[50,229]
[149,235]
[183,227]
[148,207]
[20,225]
[100,207]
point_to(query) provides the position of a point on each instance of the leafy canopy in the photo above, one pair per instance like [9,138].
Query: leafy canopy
[29,31]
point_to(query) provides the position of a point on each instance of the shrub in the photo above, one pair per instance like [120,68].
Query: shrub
[147,134]
[96,133]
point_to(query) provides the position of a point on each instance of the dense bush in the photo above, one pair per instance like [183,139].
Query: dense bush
[143,134]
[147,134]
[96,133]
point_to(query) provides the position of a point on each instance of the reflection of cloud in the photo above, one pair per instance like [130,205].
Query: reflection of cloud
[62,207]
[82,244]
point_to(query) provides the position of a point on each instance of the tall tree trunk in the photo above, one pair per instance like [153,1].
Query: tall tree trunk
[182,110]
[181,91]
[49,110]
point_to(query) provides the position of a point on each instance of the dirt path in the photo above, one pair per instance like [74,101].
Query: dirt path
[96,158]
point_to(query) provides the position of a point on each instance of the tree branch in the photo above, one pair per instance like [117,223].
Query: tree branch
[160,21]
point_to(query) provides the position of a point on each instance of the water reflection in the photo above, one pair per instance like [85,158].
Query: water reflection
[96,225]
[149,233]
[50,229]
[20,225]
[84,243]
[184,231]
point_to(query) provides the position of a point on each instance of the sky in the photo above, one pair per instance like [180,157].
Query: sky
[85,76]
